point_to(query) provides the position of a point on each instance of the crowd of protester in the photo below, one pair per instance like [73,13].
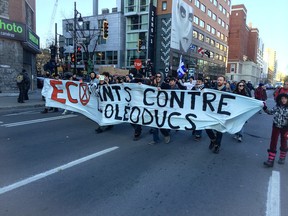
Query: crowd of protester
[243,88]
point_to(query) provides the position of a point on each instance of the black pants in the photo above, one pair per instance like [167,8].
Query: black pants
[21,93]
[215,136]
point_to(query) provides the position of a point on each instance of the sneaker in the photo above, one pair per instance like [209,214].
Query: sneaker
[236,137]
[44,111]
[197,138]
[281,161]
[98,130]
[239,139]
[152,143]
[167,139]
[136,136]
[65,112]
[212,144]
[216,149]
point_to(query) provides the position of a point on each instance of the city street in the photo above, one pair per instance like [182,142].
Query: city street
[54,164]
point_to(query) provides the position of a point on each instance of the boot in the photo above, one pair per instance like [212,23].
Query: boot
[45,111]
[282,157]
[271,158]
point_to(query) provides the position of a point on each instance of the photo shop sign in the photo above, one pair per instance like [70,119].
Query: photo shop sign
[148,106]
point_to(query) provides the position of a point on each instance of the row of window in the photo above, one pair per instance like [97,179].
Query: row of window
[210,29]
[209,40]
[202,7]
[215,56]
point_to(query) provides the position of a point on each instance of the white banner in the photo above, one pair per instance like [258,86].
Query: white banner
[145,105]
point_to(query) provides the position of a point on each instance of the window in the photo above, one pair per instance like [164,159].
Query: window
[224,11]
[207,40]
[203,8]
[219,20]
[218,34]
[208,28]
[164,5]
[209,13]
[196,20]
[212,42]
[221,47]
[131,6]
[223,24]
[220,7]
[195,34]
[217,45]
[201,37]
[215,3]
[227,26]
[213,31]
[214,17]
[197,3]
[222,36]
[202,24]
[225,48]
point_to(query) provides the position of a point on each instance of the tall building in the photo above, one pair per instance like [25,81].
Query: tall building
[195,29]
[243,57]
[19,43]
[270,58]
[90,39]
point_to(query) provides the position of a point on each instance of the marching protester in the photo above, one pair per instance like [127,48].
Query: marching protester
[281,90]
[240,90]
[54,109]
[161,85]
[216,136]
[103,80]
[138,78]
[260,93]
[199,87]
[279,127]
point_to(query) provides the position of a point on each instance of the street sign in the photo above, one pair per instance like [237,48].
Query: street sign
[137,64]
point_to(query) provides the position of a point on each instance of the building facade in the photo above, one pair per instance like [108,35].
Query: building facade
[19,43]
[244,60]
[195,29]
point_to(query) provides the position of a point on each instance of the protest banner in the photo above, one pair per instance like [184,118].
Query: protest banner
[145,105]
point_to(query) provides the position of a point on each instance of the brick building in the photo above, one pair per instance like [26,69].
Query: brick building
[245,55]
[19,43]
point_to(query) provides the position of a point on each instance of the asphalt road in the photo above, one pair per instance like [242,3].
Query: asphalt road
[111,174]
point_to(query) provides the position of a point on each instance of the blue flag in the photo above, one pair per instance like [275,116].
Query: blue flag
[181,69]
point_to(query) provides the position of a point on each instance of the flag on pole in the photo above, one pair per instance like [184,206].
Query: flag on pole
[207,53]
[181,69]
[201,51]
[192,47]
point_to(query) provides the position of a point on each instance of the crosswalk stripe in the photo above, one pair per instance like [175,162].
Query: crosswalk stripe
[15,124]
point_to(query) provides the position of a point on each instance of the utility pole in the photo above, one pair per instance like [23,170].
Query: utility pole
[56,51]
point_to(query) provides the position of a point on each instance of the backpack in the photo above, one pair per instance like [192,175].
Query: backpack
[19,78]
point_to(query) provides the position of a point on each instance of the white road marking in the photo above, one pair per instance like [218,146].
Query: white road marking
[20,113]
[15,124]
[55,170]
[273,195]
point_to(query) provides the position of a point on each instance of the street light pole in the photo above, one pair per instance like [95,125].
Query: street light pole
[74,38]
[80,19]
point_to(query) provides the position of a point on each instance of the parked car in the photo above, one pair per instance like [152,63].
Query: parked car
[269,86]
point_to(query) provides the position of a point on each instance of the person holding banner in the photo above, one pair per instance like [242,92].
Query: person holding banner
[279,127]
[216,136]
[161,85]
[240,90]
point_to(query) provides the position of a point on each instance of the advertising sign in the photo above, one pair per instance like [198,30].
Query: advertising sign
[32,38]
[181,28]
[12,30]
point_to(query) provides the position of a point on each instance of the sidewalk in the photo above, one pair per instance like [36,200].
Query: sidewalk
[9,100]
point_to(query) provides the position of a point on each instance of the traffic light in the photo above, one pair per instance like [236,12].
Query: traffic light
[53,51]
[72,57]
[140,43]
[105,29]
[79,54]
[61,52]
